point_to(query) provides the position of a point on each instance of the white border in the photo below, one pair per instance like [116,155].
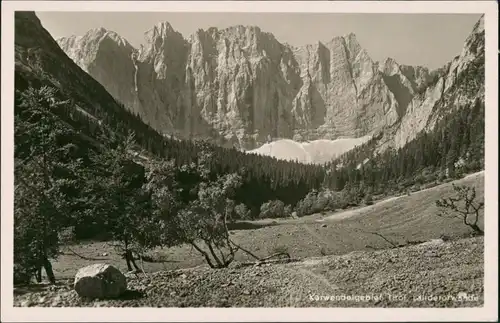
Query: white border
[488,312]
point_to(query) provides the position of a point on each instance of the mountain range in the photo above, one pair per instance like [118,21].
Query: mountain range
[240,87]
[93,121]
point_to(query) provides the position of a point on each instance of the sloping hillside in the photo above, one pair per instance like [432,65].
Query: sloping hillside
[332,233]
[432,274]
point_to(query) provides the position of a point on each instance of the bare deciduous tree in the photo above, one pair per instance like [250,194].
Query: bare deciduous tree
[464,206]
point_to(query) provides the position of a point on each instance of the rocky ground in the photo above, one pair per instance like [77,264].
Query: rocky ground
[443,274]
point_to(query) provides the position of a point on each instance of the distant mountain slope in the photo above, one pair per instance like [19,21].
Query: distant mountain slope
[459,83]
[40,61]
[456,142]
[239,85]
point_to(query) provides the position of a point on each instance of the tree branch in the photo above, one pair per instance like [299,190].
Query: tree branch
[244,250]
[378,234]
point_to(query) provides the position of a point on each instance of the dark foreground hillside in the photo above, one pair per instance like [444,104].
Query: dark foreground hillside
[434,274]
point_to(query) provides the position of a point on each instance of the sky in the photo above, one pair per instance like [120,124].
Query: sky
[429,40]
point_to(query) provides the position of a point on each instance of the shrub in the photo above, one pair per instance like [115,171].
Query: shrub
[368,200]
[242,212]
[322,201]
[306,205]
[272,209]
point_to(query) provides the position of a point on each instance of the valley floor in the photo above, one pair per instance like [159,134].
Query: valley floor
[445,274]
[400,219]
[351,266]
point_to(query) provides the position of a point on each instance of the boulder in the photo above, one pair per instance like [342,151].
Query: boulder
[100,281]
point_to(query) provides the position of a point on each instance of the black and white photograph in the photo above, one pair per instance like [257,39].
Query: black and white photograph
[281,155]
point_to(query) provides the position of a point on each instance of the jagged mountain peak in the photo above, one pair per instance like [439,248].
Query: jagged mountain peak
[243,29]
[391,67]
[458,83]
[114,36]
[98,30]
[40,60]
[96,35]
[351,37]
[389,61]
[475,41]
[163,28]
[161,32]
[247,34]
[239,84]
[352,43]
[238,33]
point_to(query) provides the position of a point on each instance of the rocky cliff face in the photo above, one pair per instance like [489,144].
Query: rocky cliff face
[458,83]
[239,86]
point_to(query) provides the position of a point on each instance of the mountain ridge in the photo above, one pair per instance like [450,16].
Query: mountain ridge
[261,45]
[239,85]
[454,145]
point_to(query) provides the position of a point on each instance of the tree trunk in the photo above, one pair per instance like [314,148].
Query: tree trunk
[207,258]
[211,249]
[477,229]
[126,255]
[129,258]
[129,268]
[134,264]
[48,270]
[38,274]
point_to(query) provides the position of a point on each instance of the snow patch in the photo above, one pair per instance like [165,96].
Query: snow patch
[317,152]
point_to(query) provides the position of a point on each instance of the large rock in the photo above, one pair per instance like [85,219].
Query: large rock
[100,281]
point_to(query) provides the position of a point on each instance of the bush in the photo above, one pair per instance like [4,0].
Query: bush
[323,251]
[272,209]
[242,212]
[306,205]
[322,201]
[328,200]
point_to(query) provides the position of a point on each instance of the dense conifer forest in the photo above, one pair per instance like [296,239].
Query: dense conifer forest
[455,146]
